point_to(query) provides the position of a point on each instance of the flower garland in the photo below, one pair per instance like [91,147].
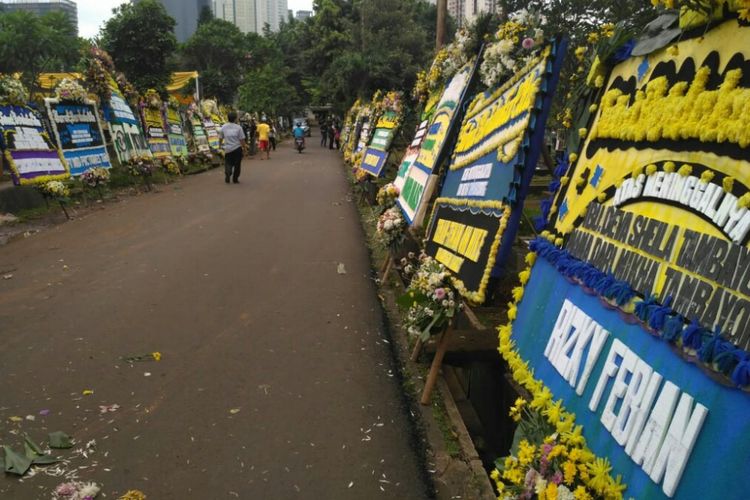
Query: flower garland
[12,91]
[55,189]
[99,67]
[95,177]
[76,490]
[680,112]
[127,88]
[595,474]
[391,228]
[152,99]
[478,296]
[387,196]
[170,166]
[140,166]
[500,137]
[448,61]
[695,13]
[71,91]
[431,299]
[513,47]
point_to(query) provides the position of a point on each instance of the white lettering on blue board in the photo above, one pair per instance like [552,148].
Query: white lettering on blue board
[658,433]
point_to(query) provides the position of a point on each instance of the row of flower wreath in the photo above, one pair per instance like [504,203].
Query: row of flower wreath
[558,465]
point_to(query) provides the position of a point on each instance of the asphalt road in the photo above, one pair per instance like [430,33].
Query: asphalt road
[275,380]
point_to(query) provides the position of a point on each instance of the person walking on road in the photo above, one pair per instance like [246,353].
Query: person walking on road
[272,136]
[264,132]
[234,144]
[323,133]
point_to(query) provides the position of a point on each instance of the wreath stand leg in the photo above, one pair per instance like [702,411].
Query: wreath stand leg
[387,267]
[417,350]
[99,190]
[437,362]
[62,205]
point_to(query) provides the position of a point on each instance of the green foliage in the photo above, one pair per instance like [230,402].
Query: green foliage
[140,38]
[350,49]
[266,90]
[220,52]
[31,44]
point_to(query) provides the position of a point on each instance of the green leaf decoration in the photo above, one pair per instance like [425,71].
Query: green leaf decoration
[15,463]
[59,440]
[33,450]
[45,460]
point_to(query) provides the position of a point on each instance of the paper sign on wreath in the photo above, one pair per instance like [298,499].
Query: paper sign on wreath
[32,156]
[176,134]
[419,181]
[478,212]
[79,134]
[155,134]
[635,315]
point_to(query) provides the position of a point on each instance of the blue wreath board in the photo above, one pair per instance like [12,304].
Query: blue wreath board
[718,464]
[373,161]
[79,135]
[489,178]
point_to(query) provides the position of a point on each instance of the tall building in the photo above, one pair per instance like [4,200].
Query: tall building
[465,11]
[185,14]
[41,7]
[252,15]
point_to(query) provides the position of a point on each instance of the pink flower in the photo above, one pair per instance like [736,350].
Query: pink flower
[527,43]
[440,293]
[557,478]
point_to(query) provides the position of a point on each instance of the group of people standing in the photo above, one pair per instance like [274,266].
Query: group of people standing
[330,133]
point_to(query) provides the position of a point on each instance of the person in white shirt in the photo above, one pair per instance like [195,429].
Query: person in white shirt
[234,144]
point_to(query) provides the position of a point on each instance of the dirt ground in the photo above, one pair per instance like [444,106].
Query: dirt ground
[276,379]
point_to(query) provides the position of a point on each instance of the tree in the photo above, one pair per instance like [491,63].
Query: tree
[206,15]
[221,53]
[31,44]
[266,90]
[140,38]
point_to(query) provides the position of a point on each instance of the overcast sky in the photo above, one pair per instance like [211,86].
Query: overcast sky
[93,13]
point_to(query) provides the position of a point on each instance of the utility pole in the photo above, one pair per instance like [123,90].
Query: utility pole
[442,17]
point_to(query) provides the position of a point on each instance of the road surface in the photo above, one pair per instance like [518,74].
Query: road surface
[275,380]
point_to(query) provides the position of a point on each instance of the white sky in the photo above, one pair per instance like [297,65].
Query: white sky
[93,13]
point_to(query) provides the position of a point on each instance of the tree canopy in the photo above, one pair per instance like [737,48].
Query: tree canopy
[221,53]
[31,44]
[140,38]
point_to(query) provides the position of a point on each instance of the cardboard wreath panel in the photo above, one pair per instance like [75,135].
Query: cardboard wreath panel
[155,133]
[419,181]
[634,315]
[79,134]
[481,201]
[411,154]
[124,127]
[377,152]
[175,133]
[199,134]
[212,134]
[31,155]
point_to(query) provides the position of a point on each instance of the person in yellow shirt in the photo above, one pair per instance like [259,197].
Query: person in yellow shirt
[264,131]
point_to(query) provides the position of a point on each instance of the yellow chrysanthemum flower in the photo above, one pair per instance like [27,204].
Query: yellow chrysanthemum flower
[569,472]
[541,399]
[728,184]
[580,493]
[599,470]
[526,452]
